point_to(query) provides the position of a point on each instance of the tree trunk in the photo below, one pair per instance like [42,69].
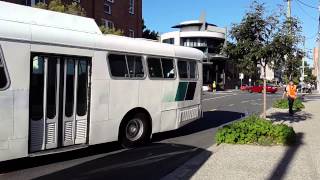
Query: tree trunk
[264,111]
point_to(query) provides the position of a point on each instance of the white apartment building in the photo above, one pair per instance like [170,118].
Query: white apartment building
[208,38]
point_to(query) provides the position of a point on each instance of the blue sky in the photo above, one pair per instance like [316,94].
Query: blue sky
[161,15]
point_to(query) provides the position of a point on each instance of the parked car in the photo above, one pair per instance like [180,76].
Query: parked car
[245,87]
[259,88]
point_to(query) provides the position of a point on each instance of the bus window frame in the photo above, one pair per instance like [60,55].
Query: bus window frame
[126,54]
[162,78]
[188,68]
[5,69]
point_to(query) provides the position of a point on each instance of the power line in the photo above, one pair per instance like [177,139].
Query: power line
[305,12]
[305,4]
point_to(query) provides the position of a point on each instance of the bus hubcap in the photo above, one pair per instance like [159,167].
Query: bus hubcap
[134,129]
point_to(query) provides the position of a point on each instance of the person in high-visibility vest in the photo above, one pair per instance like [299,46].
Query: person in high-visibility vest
[214,86]
[291,93]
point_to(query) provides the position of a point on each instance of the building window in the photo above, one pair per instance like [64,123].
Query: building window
[131,6]
[110,1]
[107,8]
[4,79]
[131,33]
[108,24]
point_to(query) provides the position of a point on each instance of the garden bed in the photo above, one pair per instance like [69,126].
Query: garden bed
[255,130]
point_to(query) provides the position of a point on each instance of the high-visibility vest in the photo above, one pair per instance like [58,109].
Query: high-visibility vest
[291,91]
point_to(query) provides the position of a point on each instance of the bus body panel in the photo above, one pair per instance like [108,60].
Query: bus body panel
[14,101]
[110,98]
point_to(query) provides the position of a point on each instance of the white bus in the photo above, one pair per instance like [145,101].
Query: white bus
[64,85]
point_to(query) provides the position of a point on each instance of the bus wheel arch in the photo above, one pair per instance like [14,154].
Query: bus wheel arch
[140,120]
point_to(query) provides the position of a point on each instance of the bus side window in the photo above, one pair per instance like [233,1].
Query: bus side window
[154,67]
[4,80]
[183,69]
[135,66]
[193,69]
[168,68]
[118,65]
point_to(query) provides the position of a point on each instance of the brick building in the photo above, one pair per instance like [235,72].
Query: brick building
[120,14]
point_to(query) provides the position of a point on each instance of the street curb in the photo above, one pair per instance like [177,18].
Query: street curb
[189,168]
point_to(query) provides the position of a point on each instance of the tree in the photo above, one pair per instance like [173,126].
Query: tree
[148,34]
[113,31]
[259,39]
[56,5]
[75,9]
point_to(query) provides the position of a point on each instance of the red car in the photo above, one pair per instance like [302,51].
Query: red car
[259,88]
[245,87]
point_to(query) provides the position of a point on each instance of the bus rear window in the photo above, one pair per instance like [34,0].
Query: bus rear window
[4,80]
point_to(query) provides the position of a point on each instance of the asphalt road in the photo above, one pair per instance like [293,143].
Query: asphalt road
[167,152]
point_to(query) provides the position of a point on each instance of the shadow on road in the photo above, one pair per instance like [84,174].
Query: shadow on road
[156,160]
[24,163]
[211,119]
[286,117]
[280,170]
[150,162]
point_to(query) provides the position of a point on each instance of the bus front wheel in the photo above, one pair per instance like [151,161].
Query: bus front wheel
[135,131]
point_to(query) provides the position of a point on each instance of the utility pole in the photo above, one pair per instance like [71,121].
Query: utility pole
[289,9]
[318,43]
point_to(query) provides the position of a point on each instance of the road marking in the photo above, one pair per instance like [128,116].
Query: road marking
[213,109]
[231,105]
[244,101]
[216,97]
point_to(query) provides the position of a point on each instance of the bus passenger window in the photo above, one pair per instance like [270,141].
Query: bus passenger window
[36,88]
[3,76]
[70,87]
[168,68]
[52,87]
[118,65]
[135,66]
[82,89]
[193,69]
[183,69]
[154,67]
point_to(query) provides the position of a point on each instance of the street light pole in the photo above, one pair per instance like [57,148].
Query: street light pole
[289,9]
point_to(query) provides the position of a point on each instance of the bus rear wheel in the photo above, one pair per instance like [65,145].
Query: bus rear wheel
[135,131]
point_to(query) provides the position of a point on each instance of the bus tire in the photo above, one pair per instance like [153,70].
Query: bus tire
[135,131]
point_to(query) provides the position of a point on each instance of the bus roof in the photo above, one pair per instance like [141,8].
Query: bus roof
[42,26]
[36,16]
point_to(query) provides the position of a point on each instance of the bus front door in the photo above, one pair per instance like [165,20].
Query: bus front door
[59,93]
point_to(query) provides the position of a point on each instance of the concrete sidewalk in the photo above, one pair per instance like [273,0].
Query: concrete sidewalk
[301,161]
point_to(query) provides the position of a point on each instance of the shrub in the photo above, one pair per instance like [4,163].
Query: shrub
[283,104]
[255,130]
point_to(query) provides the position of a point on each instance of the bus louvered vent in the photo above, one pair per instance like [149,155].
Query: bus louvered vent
[51,133]
[189,114]
[68,131]
[81,127]
[36,135]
